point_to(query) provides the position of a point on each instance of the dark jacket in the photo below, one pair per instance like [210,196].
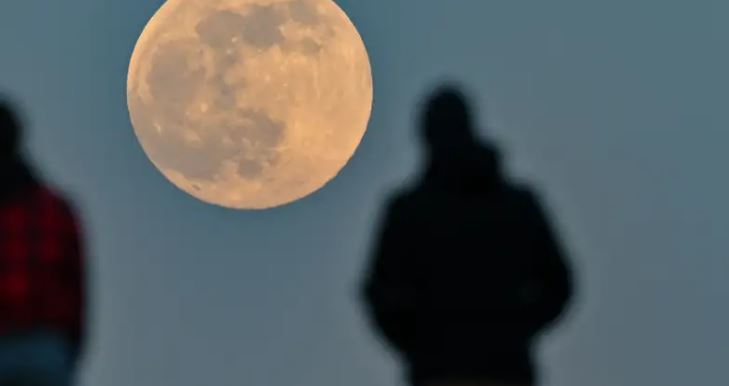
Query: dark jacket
[466,272]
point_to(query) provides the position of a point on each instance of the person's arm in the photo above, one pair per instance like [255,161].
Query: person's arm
[554,277]
[389,288]
[75,283]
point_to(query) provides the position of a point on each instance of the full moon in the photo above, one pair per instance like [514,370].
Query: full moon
[249,104]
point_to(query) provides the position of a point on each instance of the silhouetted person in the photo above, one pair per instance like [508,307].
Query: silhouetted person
[466,271]
[41,272]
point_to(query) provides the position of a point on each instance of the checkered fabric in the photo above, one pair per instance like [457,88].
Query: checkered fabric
[41,265]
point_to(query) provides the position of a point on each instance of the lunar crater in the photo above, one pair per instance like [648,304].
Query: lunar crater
[304,12]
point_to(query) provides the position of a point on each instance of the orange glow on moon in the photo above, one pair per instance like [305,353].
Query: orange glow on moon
[250,104]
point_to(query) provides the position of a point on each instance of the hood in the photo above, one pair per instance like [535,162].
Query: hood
[476,167]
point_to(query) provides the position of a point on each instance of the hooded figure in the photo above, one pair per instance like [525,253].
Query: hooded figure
[466,271]
[41,272]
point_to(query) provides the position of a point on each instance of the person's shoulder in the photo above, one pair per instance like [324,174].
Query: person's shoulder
[403,202]
[523,195]
[398,199]
[55,200]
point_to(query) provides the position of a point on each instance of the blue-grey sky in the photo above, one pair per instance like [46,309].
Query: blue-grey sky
[616,109]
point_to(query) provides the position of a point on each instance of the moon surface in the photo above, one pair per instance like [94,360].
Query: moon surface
[250,104]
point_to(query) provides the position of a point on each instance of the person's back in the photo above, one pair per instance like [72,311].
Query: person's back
[466,272]
[41,273]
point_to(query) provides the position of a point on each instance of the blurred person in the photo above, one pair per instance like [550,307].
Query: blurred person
[466,271]
[41,272]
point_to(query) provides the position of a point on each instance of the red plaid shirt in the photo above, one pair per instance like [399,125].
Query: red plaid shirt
[41,267]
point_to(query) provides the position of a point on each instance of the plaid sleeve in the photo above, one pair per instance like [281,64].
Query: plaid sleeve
[61,269]
[73,253]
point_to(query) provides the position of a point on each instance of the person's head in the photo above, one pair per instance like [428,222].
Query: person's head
[10,131]
[446,120]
